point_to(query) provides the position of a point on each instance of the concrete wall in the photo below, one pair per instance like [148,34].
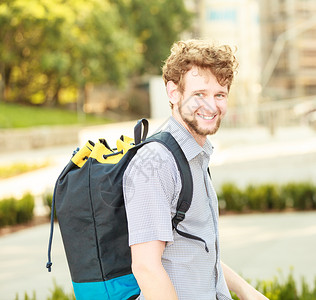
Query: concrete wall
[159,102]
[40,137]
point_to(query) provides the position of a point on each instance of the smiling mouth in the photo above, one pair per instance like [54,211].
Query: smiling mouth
[208,118]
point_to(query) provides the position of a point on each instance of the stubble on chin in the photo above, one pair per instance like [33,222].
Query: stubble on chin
[193,125]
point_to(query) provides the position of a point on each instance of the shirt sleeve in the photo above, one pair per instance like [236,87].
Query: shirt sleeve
[151,186]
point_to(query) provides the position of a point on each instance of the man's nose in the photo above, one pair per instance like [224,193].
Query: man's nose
[209,104]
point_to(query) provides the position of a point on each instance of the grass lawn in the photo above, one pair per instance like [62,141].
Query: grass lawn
[19,168]
[19,116]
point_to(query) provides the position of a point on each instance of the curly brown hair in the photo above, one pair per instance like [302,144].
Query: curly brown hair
[220,60]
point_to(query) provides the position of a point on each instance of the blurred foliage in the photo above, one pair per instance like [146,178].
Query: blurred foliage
[267,197]
[8,212]
[25,209]
[16,211]
[57,293]
[27,297]
[19,168]
[156,24]
[47,201]
[50,50]
[264,197]
[300,195]
[281,288]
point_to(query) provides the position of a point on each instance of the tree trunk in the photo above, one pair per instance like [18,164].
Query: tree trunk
[81,101]
[5,88]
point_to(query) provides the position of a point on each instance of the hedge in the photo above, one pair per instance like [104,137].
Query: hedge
[19,168]
[262,198]
[16,211]
[267,197]
[286,289]
[47,201]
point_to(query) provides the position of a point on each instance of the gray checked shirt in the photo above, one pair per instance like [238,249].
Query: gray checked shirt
[151,187]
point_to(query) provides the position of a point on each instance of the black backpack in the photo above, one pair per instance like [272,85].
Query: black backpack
[89,202]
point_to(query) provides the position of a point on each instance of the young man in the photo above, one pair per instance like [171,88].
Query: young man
[168,266]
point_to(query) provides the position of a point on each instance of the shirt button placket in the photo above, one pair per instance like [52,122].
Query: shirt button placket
[211,195]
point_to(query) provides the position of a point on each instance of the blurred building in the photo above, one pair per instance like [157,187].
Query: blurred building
[288,34]
[275,43]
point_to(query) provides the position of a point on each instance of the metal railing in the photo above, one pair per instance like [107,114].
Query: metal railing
[272,114]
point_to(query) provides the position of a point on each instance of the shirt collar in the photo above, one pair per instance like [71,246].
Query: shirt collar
[186,141]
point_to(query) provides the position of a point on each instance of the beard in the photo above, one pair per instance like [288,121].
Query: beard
[194,126]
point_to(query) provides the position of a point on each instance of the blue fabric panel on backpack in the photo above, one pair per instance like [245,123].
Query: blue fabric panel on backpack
[90,290]
[118,288]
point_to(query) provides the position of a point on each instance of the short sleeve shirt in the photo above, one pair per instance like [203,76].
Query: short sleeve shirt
[151,186]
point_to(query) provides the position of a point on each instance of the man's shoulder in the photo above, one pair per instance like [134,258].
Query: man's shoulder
[154,150]
[152,159]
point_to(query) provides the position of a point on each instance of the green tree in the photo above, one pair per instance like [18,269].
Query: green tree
[53,48]
[47,46]
[156,24]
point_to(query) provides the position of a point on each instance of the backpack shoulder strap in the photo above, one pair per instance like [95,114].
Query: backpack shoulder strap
[186,193]
[171,144]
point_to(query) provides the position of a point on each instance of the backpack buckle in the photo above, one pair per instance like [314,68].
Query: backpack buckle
[180,215]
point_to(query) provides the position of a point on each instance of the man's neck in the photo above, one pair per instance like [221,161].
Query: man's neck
[199,139]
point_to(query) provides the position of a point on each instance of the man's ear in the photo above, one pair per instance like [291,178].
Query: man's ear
[173,93]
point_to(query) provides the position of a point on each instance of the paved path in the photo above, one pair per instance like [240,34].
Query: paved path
[261,245]
[279,169]
[256,245]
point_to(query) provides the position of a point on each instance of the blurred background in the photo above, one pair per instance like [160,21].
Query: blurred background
[73,70]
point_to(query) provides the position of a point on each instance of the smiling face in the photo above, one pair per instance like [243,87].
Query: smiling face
[202,105]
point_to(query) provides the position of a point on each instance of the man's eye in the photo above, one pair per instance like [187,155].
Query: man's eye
[199,95]
[220,96]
